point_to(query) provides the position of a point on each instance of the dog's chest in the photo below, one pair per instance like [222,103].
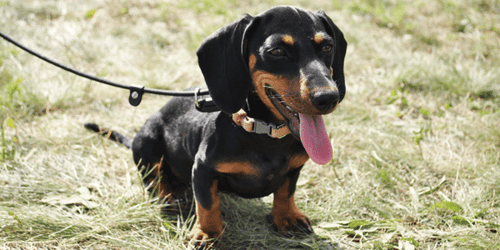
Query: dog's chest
[258,174]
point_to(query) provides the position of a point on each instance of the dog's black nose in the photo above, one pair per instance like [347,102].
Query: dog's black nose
[325,100]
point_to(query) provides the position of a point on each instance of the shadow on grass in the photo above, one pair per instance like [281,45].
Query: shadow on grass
[246,226]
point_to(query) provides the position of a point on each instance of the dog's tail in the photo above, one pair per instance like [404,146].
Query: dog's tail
[110,134]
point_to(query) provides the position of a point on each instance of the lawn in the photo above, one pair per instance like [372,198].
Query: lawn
[416,139]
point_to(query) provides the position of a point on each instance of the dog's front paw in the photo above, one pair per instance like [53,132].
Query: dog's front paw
[203,239]
[290,223]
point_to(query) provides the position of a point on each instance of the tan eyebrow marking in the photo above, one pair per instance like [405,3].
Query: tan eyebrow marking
[252,61]
[288,40]
[318,38]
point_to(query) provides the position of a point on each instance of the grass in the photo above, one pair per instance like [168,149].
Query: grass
[416,140]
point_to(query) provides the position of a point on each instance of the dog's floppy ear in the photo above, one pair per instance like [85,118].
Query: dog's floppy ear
[340,50]
[221,58]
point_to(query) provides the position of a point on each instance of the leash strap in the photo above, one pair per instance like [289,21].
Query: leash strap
[135,91]
[257,126]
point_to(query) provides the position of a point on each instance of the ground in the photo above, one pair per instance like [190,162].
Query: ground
[416,139]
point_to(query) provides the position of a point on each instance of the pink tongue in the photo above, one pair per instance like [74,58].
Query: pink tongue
[314,138]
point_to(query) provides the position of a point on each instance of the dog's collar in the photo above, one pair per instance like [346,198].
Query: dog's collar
[257,126]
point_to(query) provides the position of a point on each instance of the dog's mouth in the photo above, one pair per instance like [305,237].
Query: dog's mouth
[309,129]
[292,118]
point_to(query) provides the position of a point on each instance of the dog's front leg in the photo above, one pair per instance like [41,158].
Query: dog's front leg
[285,216]
[209,224]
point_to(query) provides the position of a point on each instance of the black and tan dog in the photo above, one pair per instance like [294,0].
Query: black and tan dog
[283,67]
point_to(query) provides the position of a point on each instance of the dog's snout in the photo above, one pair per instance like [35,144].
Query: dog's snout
[325,100]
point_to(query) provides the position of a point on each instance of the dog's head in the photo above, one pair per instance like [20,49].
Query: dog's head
[292,58]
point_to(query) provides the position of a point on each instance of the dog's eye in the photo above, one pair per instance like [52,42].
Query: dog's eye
[326,49]
[277,52]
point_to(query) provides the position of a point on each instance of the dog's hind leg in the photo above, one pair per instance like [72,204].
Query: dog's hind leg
[157,174]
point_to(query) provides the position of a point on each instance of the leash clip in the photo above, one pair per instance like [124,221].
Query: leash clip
[136,93]
[204,104]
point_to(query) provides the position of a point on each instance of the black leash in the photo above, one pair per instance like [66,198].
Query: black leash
[136,92]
